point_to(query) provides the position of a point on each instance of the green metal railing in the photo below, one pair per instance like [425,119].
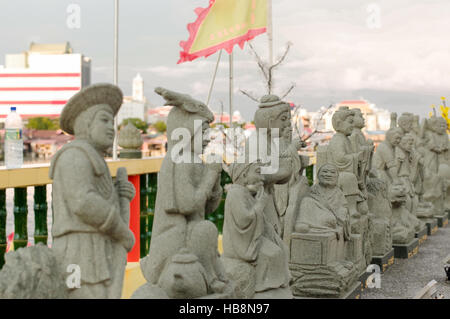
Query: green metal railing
[149,186]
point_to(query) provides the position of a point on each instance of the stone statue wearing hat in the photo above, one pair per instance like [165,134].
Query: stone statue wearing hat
[349,161]
[282,185]
[254,255]
[188,190]
[90,210]
[359,143]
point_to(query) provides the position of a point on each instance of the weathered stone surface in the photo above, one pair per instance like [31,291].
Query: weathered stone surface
[130,140]
[184,245]
[254,255]
[285,184]
[381,212]
[32,273]
[403,230]
[321,239]
[90,211]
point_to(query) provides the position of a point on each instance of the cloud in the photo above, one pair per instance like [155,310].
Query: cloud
[335,50]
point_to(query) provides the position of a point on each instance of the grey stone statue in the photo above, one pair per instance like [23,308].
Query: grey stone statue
[437,156]
[360,144]
[90,210]
[130,140]
[409,164]
[284,184]
[321,239]
[340,152]
[384,158]
[380,208]
[183,250]
[403,230]
[32,273]
[254,255]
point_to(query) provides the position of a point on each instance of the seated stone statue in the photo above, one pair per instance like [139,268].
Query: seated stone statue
[403,230]
[380,208]
[254,255]
[188,190]
[318,245]
[32,273]
[90,211]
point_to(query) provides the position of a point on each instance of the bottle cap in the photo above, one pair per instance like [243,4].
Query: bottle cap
[13,108]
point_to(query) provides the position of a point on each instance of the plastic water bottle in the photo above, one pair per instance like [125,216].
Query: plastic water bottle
[13,140]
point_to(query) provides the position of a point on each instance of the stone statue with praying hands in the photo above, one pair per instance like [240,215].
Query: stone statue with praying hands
[254,255]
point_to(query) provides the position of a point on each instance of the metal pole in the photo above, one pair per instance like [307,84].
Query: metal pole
[116,67]
[213,79]
[270,30]
[231,88]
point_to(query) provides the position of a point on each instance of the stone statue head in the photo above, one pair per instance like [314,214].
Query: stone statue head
[188,114]
[342,120]
[328,175]
[358,118]
[406,121]
[32,273]
[248,175]
[273,113]
[437,124]
[397,194]
[89,114]
[394,136]
[407,142]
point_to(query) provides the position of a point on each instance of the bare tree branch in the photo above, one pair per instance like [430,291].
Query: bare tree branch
[323,112]
[260,62]
[280,60]
[248,94]
[288,90]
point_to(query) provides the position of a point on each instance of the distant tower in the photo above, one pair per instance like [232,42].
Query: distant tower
[138,88]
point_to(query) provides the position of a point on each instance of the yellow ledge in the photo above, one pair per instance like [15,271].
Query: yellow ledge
[37,174]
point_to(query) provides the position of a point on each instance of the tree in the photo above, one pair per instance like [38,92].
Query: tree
[43,123]
[267,70]
[160,126]
[138,123]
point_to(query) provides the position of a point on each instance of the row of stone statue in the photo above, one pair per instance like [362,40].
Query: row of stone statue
[281,238]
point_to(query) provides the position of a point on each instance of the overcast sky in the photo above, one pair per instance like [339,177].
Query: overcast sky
[399,59]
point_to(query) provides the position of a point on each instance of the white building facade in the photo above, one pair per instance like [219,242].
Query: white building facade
[40,81]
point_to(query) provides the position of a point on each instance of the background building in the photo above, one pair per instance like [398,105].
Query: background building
[134,106]
[41,80]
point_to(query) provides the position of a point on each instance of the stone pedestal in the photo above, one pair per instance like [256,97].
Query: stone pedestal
[406,251]
[384,261]
[442,220]
[432,225]
[353,293]
[422,235]
[127,153]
